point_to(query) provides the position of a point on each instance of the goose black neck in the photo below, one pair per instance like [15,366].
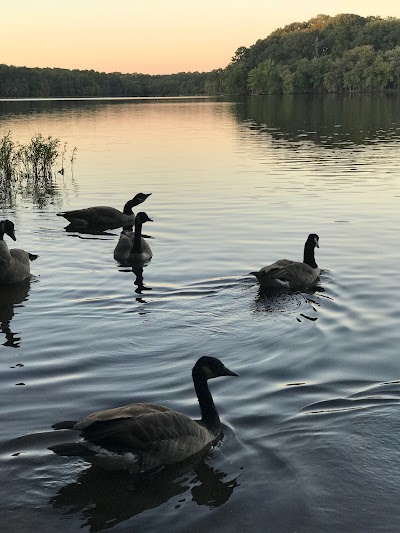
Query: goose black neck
[128,207]
[309,257]
[209,415]
[137,239]
[128,227]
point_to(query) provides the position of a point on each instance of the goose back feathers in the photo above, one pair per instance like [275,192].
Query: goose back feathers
[14,263]
[291,274]
[141,437]
[103,216]
[131,248]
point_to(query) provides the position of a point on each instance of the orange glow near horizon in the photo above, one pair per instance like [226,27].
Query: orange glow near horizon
[155,38]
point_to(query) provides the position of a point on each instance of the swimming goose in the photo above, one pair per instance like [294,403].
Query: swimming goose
[291,274]
[131,247]
[141,436]
[14,263]
[103,216]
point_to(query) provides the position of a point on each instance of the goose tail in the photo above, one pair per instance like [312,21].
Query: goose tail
[66,424]
[72,449]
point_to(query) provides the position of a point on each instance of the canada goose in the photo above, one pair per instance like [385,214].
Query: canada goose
[291,274]
[131,247]
[103,216]
[141,436]
[14,263]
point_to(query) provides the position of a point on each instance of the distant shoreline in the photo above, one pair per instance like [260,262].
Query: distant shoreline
[75,98]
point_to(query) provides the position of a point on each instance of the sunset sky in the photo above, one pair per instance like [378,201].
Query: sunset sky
[153,37]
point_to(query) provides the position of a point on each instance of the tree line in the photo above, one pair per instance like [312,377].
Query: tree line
[345,53]
[24,82]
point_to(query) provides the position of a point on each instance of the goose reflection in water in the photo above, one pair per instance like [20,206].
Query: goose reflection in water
[94,232]
[306,302]
[139,282]
[138,271]
[10,297]
[105,499]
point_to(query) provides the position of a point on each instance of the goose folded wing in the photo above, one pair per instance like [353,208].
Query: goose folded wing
[102,211]
[92,214]
[294,272]
[124,247]
[77,213]
[277,265]
[20,256]
[137,428]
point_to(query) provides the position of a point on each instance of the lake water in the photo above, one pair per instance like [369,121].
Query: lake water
[312,425]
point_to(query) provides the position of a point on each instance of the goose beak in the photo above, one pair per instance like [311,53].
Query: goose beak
[229,372]
[12,235]
[317,243]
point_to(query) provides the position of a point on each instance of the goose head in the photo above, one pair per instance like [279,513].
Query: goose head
[312,240]
[136,200]
[140,197]
[6,226]
[142,217]
[211,367]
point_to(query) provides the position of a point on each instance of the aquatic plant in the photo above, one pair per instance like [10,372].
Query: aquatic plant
[37,158]
[32,167]
[8,155]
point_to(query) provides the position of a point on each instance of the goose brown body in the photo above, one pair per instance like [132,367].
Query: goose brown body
[141,436]
[103,216]
[291,274]
[14,262]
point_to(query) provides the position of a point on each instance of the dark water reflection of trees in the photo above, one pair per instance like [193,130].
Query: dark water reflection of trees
[330,120]
[39,192]
[326,120]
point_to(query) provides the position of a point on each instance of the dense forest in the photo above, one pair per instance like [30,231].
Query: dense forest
[345,53]
[20,82]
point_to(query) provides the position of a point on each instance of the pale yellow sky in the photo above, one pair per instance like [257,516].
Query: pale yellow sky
[151,36]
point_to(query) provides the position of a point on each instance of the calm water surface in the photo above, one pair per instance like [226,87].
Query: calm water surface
[312,425]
